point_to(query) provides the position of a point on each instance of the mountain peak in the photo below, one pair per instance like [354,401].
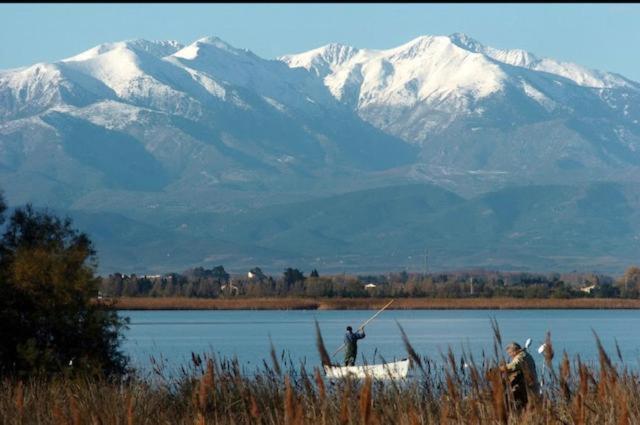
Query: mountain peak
[515,57]
[214,41]
[323,59]
[155,48]
[423,45]
[158,48]
[580,75]
[337,50]
[464,41]
[423,41]
[336,53]
[192,51]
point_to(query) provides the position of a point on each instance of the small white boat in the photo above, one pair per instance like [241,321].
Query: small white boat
[394,370]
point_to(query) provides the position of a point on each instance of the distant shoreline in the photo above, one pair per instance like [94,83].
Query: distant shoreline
[140,303]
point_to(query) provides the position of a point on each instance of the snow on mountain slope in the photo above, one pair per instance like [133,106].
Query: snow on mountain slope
[30,90]
[323,60]
[430,69]
[212,59]
[470,109]
[419,88]
[580,75]
[430,61]
[163,75]
[157,130]
[126,71]
[136,72]
[158,49]
[115,64]
[105,71]
[204,117]
[499,115]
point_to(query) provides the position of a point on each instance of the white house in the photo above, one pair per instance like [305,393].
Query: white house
[231,288]
[588,289]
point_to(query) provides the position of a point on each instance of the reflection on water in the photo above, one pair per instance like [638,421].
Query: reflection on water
[174,335]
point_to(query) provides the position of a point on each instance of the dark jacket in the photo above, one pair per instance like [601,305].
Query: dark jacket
[351,340]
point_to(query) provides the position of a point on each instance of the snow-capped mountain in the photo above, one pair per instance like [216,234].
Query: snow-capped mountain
[162,75]
[477,109]
[433,69]
[144,137]
[427,69]
[159,116]
[578,74]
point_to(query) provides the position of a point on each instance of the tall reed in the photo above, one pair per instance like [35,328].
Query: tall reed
[213,390]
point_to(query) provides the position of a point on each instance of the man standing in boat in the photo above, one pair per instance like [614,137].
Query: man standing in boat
[351,343]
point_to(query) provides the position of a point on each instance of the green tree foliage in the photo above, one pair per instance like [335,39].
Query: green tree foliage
[47,317]
[220,274]
[258,274]
[291,276]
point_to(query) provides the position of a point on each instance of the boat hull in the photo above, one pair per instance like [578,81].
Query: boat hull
[394,370]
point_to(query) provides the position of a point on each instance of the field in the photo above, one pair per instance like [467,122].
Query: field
[218,391]
[139,303]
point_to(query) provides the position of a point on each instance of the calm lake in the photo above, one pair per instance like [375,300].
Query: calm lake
[173,335]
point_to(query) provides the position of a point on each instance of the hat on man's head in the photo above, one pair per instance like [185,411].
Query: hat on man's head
[349,328]
[513,346]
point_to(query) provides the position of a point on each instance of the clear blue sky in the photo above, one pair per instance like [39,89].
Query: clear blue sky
[600,36]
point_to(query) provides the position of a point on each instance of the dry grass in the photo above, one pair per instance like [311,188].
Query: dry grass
[135,303]
[217,391]
[179,303]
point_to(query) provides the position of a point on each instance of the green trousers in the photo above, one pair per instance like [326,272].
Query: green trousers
[350,356]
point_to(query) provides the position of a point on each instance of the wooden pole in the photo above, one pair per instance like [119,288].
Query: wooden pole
[363,325]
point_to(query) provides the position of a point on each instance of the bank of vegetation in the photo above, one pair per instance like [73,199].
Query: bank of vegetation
[297,303]
[217,283]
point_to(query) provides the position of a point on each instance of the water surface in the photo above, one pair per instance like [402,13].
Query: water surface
[173,335]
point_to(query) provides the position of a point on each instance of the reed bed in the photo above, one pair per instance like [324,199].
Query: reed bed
[443,391]
[184,303]
[178,303]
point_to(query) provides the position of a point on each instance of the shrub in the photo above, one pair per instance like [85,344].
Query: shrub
[48,322]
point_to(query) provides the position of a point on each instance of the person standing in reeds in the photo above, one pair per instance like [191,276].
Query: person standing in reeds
[521,370]
[351,345]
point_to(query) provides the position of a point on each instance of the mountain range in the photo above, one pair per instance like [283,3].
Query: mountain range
[339,158]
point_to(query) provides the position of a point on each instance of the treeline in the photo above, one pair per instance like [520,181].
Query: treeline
[217,282]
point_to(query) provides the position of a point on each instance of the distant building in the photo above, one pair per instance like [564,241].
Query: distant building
[370,286]
[588,289]
[256,274]
[232,289]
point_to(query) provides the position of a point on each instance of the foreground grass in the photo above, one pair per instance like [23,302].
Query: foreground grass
[216,391]
[178,303]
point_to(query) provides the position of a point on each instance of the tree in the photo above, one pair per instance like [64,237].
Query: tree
[292,276]
[219,273]
[47,317]
[630,283]
[258,274]
[314,273]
